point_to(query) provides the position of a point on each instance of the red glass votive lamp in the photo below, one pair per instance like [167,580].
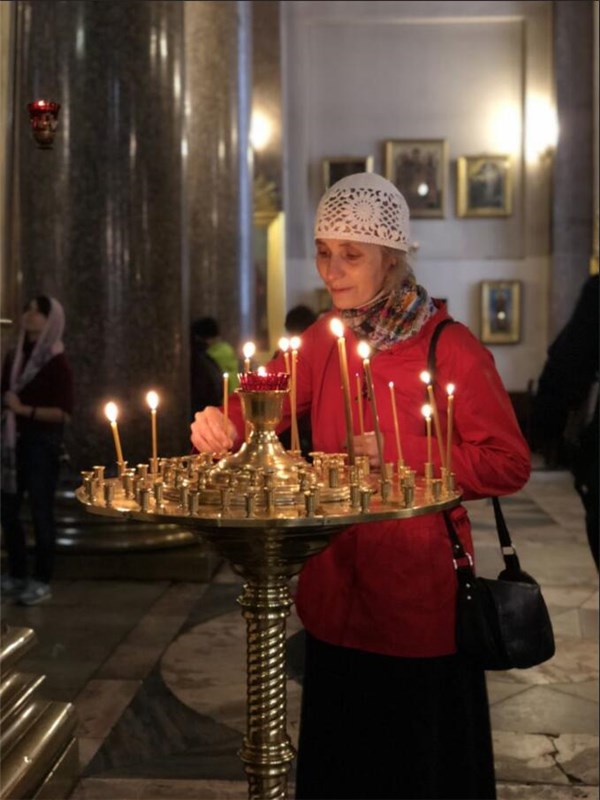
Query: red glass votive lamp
[43,116]
[263,382]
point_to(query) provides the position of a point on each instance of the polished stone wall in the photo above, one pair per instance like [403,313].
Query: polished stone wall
[573,161]
[113,220]
[218,42]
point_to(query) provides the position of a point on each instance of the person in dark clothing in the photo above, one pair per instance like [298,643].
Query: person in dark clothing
[206,378]
[206,329]
[565,412]
[37,401]
[298,319]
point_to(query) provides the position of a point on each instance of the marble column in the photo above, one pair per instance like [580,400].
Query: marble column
[267,105]
[218,41]
[101,220]
[573,160]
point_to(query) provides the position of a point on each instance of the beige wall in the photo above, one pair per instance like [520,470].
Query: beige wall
[473,73]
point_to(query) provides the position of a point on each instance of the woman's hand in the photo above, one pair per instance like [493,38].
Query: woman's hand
[366,445]
[211,433]
[11,399]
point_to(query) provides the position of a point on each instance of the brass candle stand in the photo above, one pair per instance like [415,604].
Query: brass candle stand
[266,511]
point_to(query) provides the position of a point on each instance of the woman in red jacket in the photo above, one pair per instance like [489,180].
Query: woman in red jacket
[390,709]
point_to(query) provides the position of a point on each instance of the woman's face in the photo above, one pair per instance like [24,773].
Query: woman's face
[34,321]
[353,272]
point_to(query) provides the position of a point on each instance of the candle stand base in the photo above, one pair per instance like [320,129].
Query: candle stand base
[266,512]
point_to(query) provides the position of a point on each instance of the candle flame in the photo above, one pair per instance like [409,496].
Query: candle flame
[295,342]
[262,371]
[152,400]
[425,377]
[249,349]
[111,411]
[391,384]
[364,351]
[450,389]
[284,344]
[426,411]
[337,327]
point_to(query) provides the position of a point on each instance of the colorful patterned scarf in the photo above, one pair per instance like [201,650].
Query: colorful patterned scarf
[392,316]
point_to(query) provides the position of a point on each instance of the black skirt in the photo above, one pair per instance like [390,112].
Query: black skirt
[375,727]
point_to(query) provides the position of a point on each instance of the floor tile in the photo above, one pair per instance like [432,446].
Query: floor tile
[542,710]
[156,669]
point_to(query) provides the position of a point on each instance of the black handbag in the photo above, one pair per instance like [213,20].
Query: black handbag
[503,623]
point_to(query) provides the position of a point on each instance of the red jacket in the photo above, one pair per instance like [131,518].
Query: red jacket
[389,587]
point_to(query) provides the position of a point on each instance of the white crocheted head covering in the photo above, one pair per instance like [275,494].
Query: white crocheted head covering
[364,207]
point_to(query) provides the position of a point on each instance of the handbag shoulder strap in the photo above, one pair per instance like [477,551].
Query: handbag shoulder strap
[509,554]
[464,562]
[433,344]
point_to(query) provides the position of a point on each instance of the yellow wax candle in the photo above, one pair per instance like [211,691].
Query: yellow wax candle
[426,411]
[152,400]
[248,350]
[337,329]
[284,346]
[361,420]
[225,400]
[112,412]
[364,351]
[396,426]
[450,414]
[295,437]
[426,378]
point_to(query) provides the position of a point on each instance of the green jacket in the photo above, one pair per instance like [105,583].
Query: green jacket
[224,354]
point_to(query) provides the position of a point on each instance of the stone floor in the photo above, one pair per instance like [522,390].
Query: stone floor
[156,670]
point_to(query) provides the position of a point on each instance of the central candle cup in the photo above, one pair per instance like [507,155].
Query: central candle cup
[263,409]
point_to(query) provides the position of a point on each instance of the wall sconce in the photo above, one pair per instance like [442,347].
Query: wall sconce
[542,130]
[43,116]
[261,130]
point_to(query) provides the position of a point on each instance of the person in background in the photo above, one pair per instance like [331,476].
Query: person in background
[207,329]
[390,709]
[37,402]
[298,319]
[206,375]
[565,408]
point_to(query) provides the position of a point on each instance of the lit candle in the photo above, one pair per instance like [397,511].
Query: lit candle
[450,411]
[426,411]
[284,346]
[364,351]
[295,438]
[112,412]
[225,400]
[396,426]
[152,400]
[337,328]
[426,378]
[361,421]
[248,350]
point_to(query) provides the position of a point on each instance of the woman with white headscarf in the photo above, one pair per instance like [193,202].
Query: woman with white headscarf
[37,401]
[389,708]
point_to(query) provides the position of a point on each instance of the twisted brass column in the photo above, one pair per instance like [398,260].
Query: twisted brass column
[267,751]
